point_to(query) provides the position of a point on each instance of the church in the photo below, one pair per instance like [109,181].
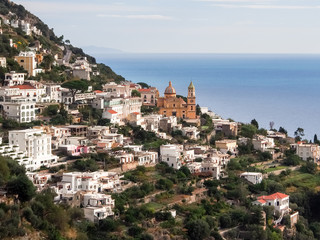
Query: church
[171,105]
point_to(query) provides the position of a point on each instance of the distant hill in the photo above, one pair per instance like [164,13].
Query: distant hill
[52,45]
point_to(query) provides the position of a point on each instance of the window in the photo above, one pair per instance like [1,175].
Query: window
[21,60]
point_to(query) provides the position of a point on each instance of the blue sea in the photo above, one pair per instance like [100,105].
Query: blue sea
[279,88]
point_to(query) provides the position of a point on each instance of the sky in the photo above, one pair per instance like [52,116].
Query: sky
[185,26]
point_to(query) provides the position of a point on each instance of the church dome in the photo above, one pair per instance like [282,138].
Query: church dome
[170,90]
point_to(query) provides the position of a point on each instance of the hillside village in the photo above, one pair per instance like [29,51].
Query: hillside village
[86,154]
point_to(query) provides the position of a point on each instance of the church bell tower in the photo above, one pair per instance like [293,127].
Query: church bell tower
[191,102]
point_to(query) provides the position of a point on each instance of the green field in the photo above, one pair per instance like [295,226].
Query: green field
[275,169]
[303,180]
[154,205]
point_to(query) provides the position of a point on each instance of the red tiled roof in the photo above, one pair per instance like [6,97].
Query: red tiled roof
[136,113]
[144,90]
[23,87]
[98,91]
[274,196]
[261,201]
[112,111]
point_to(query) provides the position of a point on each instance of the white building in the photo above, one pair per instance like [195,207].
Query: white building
[54,92]
[172,155]
[306,151]
[97,206]
[95,182]
[146,158]
[205,167]
[19,110]
[36,144]
[13,78]
[81,68]
[13,151]
[118,90]
[191,132]
[278,200]
[253,177]
[26,27]
[31,93]
[3,62]
[98,131]
[152,122]
[122,106]
[227,145]
[263,143]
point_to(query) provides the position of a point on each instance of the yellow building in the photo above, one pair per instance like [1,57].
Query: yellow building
[171,105]
[27,61]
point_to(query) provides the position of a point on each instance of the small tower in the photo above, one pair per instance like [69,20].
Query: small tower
[191,102]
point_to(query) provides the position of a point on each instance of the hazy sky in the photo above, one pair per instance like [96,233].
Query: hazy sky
[188,26]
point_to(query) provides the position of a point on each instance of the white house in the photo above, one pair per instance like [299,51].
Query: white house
[96,182]
[54,92]
[227,145]
[13,78]
[122,106]
[263,143]
[278,200]
[191,132]
[36,144]
[118,90]
[253,177]
[146,158]
[13,151]
[112,116]
[172,155]
[306,151]
[19,110]
[3,62]
[97,206]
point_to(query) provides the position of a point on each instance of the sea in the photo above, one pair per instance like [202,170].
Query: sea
[278,88]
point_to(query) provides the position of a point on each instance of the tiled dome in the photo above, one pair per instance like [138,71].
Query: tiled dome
[170,89]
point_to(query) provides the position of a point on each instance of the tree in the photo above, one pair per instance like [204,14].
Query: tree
[135,93]
[48,61]
[292,160]
[254,122]
[143,85]
[315,139]
[75,86]
[198,110]
[310,167]
[22,187]
[299,133]
[51,110]
[282,130]
[271,124]
[198,229]
[248,130]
